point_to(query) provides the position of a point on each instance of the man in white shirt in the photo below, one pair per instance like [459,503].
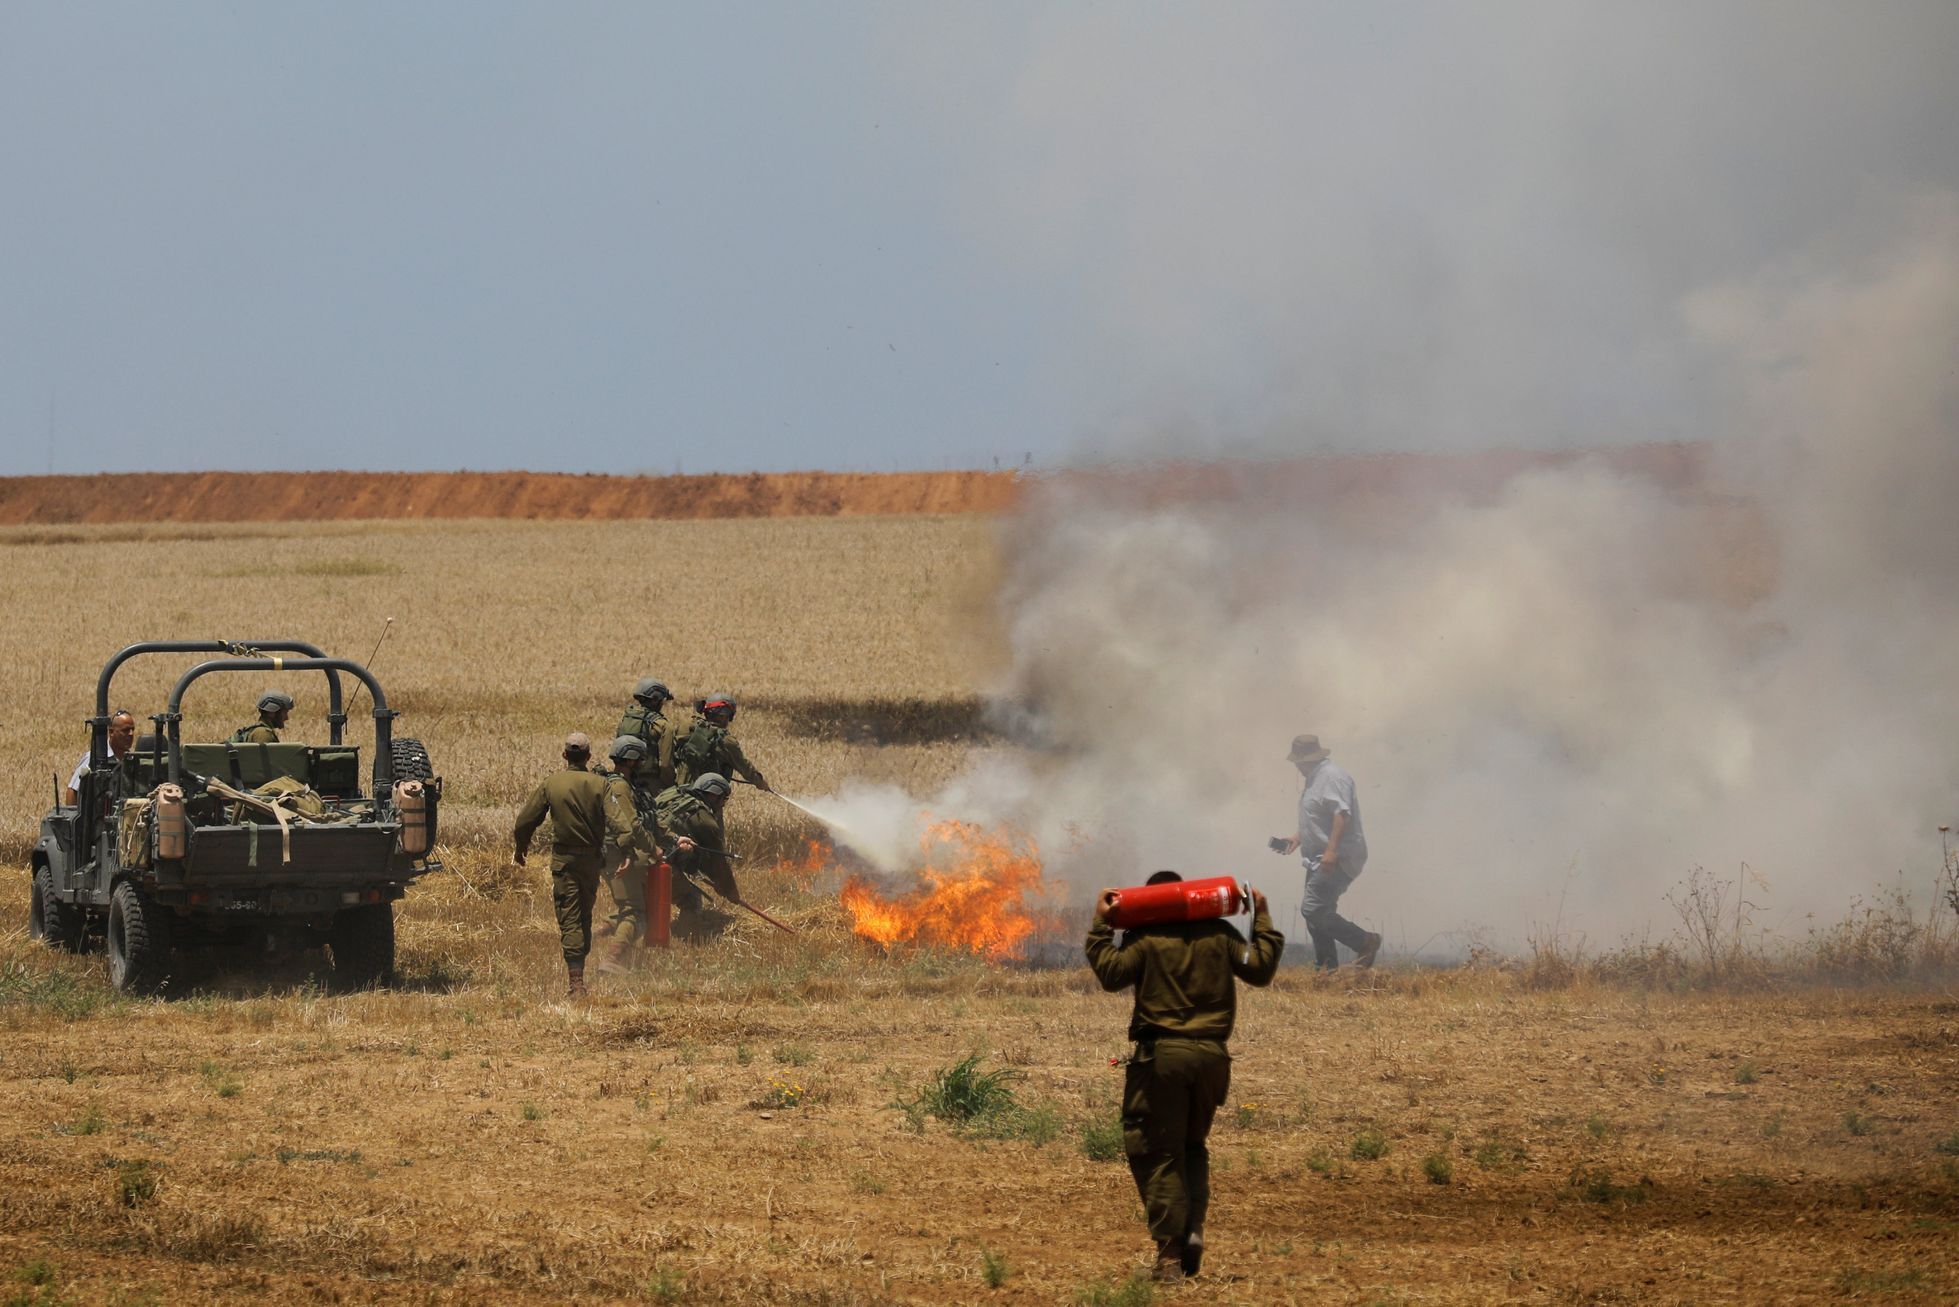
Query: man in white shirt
[122,736]
[1333,848]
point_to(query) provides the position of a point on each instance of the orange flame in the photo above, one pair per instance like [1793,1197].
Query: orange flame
[972,897]
[803,872]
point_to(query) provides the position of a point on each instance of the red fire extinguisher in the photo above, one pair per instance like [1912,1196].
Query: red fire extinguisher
[659,903]
[1181,900]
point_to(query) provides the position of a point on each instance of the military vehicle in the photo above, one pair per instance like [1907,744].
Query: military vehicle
[261,848]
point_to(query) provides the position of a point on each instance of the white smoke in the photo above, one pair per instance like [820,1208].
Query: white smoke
[1557,699]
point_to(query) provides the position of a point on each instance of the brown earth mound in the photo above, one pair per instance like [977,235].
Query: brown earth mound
[312,496]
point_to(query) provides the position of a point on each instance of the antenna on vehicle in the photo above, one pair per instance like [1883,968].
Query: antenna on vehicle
[386,627]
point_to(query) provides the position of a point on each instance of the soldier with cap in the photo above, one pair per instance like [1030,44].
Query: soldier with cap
[1333,848]
[693,811]
[274,706]
[1186,1003]
[708,747]
[632,845]
[582,824]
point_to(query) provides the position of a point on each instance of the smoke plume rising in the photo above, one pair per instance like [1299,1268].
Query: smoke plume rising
[1558,693]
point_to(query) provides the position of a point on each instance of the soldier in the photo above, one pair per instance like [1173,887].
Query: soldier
[645,718]
[707,746]
[693,811]
[274,706]
[628,855]
[1179,1071]
[581,825]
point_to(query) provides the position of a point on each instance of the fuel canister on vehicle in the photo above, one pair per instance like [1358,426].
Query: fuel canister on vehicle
[412,802]
[1182,900]
[172,822]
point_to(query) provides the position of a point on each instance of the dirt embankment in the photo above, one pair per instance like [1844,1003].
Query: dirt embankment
[1334,480]
[314,496]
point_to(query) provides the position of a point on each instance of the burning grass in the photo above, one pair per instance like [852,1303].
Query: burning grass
[978,892]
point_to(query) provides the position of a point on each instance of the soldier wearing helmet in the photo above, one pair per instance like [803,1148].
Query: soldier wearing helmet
[707,745]
[632,846]
[693,812]
[583,825]
[645,718]
[274,706]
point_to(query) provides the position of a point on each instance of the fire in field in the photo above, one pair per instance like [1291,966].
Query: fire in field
[978,893]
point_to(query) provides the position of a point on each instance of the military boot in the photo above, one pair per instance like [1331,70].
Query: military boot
[575,980]
[1169,1267]
[1193,1250]
[620,959]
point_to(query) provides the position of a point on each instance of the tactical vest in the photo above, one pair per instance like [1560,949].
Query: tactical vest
[700,752]
[642,723]
[238,736]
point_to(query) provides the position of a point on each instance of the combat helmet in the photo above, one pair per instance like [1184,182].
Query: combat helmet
[627,748]
[652,688]
[718,705]
[709,785]
[274,701]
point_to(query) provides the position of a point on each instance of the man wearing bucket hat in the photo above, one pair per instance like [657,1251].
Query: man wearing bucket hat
[1333,848]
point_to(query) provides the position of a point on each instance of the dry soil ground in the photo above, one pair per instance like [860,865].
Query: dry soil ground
[720,1128]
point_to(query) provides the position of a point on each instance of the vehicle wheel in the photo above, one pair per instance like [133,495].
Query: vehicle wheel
[363,944]
[138,940]
[56,924]
[411,760]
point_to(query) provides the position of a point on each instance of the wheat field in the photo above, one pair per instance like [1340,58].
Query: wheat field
[771,1120]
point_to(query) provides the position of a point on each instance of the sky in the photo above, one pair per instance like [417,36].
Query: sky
[762,236]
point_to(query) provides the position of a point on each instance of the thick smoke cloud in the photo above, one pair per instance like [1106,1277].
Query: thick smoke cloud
[1559,699]
[1292,229]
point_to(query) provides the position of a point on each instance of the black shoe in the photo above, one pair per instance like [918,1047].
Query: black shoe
[1193,1251]
[1365,958]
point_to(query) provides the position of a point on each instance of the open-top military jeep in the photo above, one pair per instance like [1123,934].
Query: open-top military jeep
[273,847]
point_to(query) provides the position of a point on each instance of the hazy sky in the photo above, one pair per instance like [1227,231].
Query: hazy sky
[638,237]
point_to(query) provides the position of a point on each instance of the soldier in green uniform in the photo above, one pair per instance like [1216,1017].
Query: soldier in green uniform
[581,825]
[693,812]
[645,718]
[274,706]
[1179,1071]
[706,746]
[628,855]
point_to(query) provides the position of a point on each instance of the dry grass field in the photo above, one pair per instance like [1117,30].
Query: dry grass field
[754,1121]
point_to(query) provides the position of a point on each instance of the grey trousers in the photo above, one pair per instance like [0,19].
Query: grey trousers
[1323,920]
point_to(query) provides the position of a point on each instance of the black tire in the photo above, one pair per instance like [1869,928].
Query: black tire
[56,924]
[411,760]
[59,925]
[138,940]
[363,944]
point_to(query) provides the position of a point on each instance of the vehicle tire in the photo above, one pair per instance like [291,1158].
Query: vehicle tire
[138,940]
[363,944]
[411,760]
[56,924]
